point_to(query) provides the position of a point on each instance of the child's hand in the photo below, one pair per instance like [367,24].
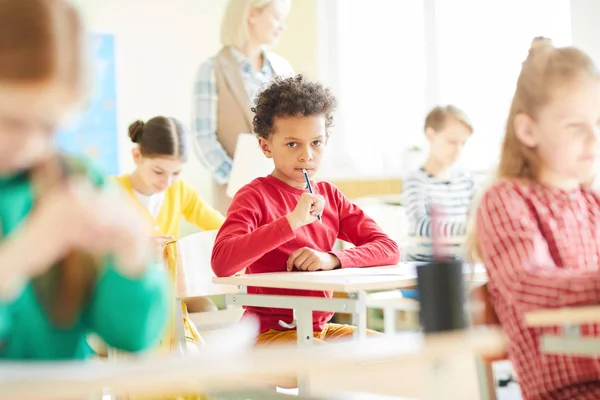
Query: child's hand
[160,242]
[306,259]
[78,216]
[308,208]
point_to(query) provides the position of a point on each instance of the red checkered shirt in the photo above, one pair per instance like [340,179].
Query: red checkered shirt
[541,247]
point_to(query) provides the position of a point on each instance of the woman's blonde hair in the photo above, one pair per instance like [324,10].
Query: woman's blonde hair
[42,41]
[545,69]
[234,26]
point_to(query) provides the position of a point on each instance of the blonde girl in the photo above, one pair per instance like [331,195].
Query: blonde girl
[537,229]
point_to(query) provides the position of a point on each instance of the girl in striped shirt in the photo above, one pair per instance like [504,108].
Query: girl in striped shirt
[537,229]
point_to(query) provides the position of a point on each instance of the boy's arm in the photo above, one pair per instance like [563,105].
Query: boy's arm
[415,200]
[129,313]
[198,212]
[518,261]
[241,240]
[373,247]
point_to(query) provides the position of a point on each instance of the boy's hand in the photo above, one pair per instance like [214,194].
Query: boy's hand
[308,208]
[307,259]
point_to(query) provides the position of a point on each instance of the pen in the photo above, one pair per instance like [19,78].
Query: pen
[309,187]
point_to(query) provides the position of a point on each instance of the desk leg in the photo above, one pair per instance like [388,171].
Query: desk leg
[389,320]
[304,333]
[359,317]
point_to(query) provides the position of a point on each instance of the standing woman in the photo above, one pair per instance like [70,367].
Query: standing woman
[227,84]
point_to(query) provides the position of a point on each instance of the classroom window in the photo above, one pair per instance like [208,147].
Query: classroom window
[390,61]
[481,45]
[379,53]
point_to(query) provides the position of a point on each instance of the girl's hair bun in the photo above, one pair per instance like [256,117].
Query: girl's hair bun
[135,130]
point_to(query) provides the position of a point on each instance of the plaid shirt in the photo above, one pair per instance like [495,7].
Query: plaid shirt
[541,247]
[210,152]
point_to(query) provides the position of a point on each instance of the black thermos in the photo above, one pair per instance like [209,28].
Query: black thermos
[442,295]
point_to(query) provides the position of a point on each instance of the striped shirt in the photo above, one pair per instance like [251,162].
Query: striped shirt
[451,197]
[209,150]
[541,248]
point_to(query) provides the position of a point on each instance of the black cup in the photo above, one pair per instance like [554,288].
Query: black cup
[442,296]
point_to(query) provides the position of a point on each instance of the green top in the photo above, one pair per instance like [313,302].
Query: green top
[128,314]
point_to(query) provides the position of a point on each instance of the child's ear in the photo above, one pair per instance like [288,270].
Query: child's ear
[265,146]
[525,130]
[137,155]
[429,133]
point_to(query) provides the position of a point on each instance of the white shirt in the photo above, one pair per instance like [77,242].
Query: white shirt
[153,202]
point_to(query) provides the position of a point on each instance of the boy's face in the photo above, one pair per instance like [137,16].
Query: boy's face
[446,144]
[296,143]
[29,117]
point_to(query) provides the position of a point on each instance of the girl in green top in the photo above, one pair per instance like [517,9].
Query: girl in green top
[73,258]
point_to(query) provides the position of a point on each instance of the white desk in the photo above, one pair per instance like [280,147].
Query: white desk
[345,280]
[232,366]
[569,318]
[353,281]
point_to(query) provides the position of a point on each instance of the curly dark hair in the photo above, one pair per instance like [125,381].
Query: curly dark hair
[288,97]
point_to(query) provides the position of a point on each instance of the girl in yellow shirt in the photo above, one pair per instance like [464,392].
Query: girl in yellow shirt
[160,154]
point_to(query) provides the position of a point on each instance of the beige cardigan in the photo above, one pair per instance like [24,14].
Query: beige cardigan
[234,114]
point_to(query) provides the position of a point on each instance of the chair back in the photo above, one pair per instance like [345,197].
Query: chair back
[482,310]
[195,275]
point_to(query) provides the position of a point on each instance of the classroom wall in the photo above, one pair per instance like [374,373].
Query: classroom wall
[299,44]
[159,46]
[584,26]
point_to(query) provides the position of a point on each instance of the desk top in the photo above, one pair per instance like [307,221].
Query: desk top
[344,280]
[213,368]
[563,316]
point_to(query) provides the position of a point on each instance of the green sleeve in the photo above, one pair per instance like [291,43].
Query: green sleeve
[130,314]
[5,320]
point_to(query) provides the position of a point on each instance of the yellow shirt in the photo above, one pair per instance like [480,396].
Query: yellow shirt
[179,200]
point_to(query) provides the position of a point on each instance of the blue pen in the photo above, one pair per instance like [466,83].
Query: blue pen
[309,186]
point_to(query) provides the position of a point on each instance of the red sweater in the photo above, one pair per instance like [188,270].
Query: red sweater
[257,236]
[541,248]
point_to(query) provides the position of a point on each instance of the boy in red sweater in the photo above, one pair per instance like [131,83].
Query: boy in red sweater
[272,224]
